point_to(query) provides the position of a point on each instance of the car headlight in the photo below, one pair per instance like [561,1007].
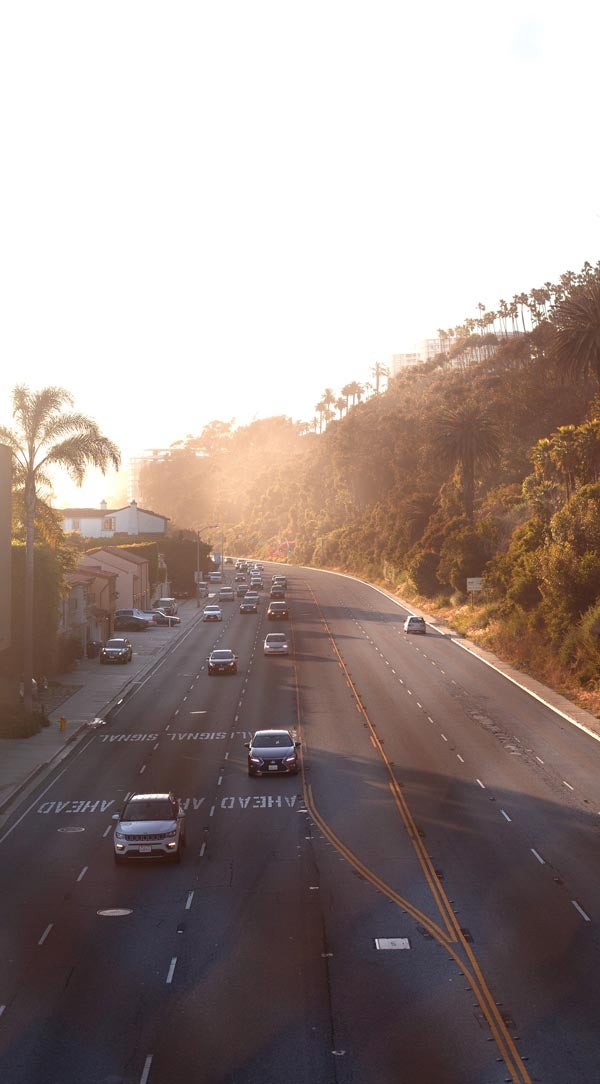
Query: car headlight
[171,834]
[255,760]
[291,759]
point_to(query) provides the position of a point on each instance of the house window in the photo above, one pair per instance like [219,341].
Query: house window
[108,523]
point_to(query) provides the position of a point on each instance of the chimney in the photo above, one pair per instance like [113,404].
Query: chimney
[103,506]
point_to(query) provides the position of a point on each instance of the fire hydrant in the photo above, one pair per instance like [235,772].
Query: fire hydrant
[62,724]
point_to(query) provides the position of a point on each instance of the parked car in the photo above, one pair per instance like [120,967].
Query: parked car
[128,620]
[150,825]
[117,649]
[415,624]
[163,618]
[277,611]
[222,661]
[226,594]
[272,752]
[212,613]
[169,605]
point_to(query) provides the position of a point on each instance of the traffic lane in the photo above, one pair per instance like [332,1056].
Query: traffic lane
[425,790]
[252,1004]
[95,978]
[492,701]
[493,754]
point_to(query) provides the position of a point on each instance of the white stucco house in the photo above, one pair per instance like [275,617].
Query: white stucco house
[104,522]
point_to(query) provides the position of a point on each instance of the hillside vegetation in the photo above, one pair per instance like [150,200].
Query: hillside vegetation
[484,461]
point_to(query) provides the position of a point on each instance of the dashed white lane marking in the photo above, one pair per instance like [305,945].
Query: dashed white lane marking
[419,705]
[444,736]
[83,873]
[156,746]
[538,856]
[45,934]
[176,712]
[393,672]
[539,759]
[106,831]
[171,970]
[2,1008]
[219,780]
[189,900]
[409,692]
[202,849]
[166,728]
[506,816]
[142,769]
[226,756]
[460,758]
[482,785]
[442,671]
[212,811]
[568,785]
[401,681]
[581,911]
[146,1069]
[429,719]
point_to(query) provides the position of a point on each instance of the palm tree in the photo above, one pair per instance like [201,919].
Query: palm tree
[576,332]
[341,405]
[320,409]
[354,390]
[378,371]
[464,436]
[46,436]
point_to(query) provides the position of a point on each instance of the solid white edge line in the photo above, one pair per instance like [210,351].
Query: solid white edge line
[581,911]
[171,969]
[83,873]
[146,1069]
[189,900]
[45,934]
[538,856]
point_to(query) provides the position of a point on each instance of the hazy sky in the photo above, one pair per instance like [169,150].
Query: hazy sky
[218,210]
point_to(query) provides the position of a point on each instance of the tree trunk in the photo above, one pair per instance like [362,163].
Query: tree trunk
[28,616]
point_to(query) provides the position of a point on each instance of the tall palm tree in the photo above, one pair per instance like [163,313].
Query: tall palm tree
[465,436]
[378,371]
[47,436]
[576,332]
[341,405]
[354,390]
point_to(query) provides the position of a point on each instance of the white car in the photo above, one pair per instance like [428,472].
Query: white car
[276,643]
[226,594]
[151,826]
[415,624]
[212,613]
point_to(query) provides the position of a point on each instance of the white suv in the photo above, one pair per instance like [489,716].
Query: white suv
[150,825]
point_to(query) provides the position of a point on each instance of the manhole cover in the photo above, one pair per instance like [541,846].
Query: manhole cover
[71,828]
[115,912]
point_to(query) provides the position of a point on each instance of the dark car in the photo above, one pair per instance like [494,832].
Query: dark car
[131,622]
[272,752]
[241,589]
[277,611]
[415,624]
[277,591]
[222,661]
[248,606]
[117,649]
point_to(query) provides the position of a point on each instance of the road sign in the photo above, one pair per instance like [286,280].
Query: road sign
[474,583]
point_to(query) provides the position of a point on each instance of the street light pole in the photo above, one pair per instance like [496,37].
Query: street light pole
[207,527]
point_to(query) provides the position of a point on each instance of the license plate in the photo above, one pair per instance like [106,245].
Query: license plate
[272,767]
[145,850]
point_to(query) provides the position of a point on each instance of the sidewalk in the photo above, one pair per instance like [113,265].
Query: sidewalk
[96,689]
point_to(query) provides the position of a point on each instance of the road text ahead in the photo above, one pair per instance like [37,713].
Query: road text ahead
[101,805]
[205,735]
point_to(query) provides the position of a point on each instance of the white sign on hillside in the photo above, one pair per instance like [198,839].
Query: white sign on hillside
[474,583]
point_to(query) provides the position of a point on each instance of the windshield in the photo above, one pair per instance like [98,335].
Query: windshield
[152,809]
[115,643]
[276,638]
[272,739]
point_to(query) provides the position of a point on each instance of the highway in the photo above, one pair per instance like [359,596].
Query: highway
[419,905]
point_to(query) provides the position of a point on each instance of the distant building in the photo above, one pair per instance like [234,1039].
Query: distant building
[107,522]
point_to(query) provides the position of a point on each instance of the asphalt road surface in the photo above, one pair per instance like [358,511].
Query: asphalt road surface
[419,906]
